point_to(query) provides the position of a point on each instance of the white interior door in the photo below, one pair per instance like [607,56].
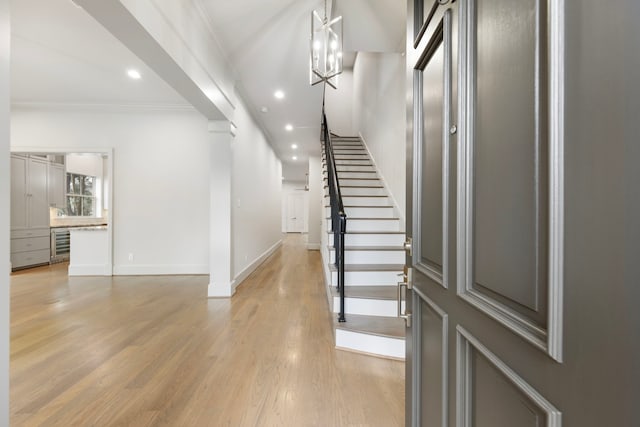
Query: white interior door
[295,213]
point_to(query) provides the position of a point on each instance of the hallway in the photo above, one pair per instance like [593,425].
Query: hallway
[153,350]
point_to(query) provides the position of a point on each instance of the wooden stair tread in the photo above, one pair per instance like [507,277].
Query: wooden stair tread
[370,248]
[369,267]
[343,150]
[364,206]
[392,327]
[369,232]
[325,172]
[368,219]
[362,195]
[368,292]
[358,186]
[361,179]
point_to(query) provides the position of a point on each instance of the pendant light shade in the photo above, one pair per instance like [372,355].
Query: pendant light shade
[325,48]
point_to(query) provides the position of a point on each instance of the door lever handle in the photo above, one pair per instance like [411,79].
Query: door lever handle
[406,315]
[406,283]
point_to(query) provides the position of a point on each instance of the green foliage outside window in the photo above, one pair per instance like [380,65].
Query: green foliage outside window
[81,200]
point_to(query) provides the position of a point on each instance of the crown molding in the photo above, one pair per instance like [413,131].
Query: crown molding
[97,107]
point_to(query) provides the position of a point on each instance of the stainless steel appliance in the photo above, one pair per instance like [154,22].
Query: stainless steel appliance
[60,244]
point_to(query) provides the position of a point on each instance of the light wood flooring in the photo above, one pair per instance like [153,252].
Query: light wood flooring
[153,350]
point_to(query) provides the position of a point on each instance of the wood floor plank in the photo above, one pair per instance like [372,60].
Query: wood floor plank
[152,351]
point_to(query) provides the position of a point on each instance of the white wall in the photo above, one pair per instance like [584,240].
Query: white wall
[4,212]
[316,208]
[256,189]
[292,187]
[339,105]
[295,171]
[160,180]
[379,116]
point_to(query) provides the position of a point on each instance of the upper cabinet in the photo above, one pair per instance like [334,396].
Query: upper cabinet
[29,193]
[56,185]
[19,191]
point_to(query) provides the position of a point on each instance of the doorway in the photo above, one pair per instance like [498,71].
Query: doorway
[295,212]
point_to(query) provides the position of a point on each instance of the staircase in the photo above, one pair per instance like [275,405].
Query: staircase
[374,256]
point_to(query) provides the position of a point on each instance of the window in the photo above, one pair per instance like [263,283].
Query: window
[81,195]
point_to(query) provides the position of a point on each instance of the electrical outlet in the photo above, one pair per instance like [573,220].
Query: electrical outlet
[130,257]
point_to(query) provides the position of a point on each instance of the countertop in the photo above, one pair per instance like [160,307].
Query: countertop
[90,228]
[73,227]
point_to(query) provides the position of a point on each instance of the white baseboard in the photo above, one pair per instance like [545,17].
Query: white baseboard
[220,290]
[237,281]
[90,270]
[160,269]
[313,246]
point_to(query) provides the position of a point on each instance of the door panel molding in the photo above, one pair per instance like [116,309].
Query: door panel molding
[417,335]
[545,337]
[440,38]
[466,345]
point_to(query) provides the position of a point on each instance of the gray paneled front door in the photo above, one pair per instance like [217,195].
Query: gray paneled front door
[485,216]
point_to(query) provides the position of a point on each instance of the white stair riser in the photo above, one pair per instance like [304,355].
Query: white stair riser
[359,191]
[367,278]
[370,257]
[356,182]
[342,157]
[370,239]
[352,162]
[348,175]
[374,344]
[354,168]
[365,212]
[367,307]
[350,151]
[370,224]
[360,201]
[365,201]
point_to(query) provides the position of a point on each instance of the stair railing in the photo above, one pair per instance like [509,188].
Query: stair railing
[338,216]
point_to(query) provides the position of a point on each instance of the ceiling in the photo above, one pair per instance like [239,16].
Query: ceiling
[61,55]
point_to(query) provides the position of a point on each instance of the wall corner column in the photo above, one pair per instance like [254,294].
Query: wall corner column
[220,241]
[316,208]
[4,211]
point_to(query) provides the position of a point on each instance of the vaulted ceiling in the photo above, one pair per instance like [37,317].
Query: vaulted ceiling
[61,55]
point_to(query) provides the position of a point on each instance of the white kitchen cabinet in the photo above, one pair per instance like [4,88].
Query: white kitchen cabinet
[56,185]
[29,211]
[38,199]
[19,191]
[30,247]
[29,193]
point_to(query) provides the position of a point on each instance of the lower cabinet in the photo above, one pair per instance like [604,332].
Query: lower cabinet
[30,247]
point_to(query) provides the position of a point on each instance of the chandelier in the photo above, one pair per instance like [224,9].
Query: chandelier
[326,49]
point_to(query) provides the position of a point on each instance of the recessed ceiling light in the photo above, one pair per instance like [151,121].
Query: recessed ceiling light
[289,127]
[279,94]
[134,74]
[294,146]
[294,158]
